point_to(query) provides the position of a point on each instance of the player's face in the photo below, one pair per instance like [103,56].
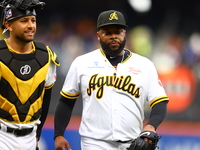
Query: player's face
[23,29]
[112,39]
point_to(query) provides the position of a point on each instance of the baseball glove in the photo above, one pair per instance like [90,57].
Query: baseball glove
[140,144]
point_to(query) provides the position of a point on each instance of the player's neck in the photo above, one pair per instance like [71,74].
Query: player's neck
[18,46]
[114,60]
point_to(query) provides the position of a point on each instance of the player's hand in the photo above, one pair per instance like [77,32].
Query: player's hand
[61,143]
[149,128]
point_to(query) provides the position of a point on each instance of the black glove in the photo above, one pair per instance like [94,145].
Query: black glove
[140,144]
[37,148]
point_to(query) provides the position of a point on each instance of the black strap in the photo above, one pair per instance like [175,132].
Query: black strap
[2,44]
[40,46]
[18,132]
[119,141]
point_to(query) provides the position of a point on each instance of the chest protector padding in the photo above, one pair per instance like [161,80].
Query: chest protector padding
[22,79]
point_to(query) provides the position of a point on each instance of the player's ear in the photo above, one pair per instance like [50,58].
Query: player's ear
[7,25]
[97,34]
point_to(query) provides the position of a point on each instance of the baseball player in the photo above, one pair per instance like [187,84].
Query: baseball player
[27,75]
[114,84]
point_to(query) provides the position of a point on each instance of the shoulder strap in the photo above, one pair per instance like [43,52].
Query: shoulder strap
[42,46]
[2,44]
[54,57]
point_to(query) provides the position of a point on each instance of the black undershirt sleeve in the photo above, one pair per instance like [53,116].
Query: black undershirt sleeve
[63,114]
[45,109]
[158,114]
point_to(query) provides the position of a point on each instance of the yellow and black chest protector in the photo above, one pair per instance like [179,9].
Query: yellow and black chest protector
[22,80]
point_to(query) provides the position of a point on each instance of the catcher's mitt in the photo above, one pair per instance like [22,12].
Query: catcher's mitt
[140,144]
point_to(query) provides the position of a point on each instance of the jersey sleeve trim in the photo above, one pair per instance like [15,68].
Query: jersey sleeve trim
[49,86]
[70,96]
[158,100]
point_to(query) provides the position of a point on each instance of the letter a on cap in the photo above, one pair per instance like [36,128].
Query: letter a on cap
[113,16]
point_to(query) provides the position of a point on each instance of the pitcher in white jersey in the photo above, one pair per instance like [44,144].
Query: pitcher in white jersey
[114,84]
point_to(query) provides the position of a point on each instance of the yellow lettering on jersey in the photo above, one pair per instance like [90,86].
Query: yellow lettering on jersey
[113,16]
[91,86]
[121,83]
[137,93]
[100,85]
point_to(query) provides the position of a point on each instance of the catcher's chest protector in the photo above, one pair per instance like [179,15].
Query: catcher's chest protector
[22,78]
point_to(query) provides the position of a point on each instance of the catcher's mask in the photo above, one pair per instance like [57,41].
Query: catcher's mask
[13,9]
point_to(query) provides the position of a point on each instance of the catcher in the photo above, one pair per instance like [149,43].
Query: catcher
[27,76]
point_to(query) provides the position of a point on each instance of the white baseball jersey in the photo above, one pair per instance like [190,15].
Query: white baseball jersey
[113,99]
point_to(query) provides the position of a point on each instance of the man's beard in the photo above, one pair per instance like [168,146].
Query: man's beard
[110,52]
[24,39]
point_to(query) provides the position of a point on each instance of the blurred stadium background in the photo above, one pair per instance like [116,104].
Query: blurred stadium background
[167,32]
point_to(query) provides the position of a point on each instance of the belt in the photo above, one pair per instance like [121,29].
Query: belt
[18,132]
[119,141]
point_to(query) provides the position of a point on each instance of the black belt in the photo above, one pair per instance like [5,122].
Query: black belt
[119,141]
[18,132]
